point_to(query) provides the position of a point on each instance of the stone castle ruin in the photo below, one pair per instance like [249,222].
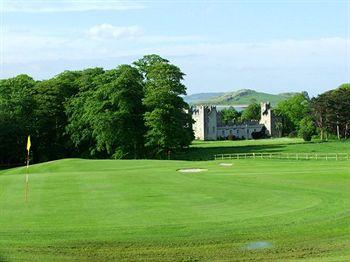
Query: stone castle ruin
[209,126]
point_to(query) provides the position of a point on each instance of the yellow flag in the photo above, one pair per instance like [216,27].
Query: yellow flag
[28,144]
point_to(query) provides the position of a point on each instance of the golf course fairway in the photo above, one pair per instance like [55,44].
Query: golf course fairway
[146,210]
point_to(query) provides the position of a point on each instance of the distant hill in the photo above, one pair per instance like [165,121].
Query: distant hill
[240,97]
[195,98]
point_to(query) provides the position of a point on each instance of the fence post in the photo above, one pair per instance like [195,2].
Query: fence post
[326,156]
[254,155]
[297,156]
[336,157]
[316,156]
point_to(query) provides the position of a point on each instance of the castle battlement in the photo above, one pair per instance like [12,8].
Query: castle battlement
[208,124]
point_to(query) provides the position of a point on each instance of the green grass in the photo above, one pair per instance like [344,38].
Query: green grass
[145,210]
[205,150]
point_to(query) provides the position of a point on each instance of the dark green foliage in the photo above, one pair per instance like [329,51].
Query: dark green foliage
[292,111]
[16,117]
[50,96]
[252,112]
[229,115]
[260,134]
[95,113]
[106,120]
[306,128]
[168,123]
[332,112]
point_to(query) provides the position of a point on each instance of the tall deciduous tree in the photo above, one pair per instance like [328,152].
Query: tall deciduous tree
[168,122]
[108,117]
[16,117]
[292,111]
[332,111]
[50,96]
[79,126]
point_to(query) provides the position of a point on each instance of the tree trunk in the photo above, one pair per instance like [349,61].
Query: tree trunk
[338,133]
[346,131]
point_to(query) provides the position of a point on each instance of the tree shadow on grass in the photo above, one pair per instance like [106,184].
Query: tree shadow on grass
[2,258]
[208,153]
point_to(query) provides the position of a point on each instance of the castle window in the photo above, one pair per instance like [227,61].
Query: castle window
[223,132]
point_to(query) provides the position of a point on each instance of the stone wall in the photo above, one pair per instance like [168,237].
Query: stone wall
[208,125]
[243,131]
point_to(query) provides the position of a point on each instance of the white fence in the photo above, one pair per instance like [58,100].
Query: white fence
[291,156]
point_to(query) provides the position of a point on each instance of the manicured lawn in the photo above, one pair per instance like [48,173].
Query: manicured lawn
[205,150]
[145,210]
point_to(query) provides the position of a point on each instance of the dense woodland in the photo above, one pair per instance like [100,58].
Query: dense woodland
[134,111]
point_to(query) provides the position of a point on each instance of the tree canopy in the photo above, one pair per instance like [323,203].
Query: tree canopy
[252,112]
[292,111]
[229,115]
[131,111]
[168,123]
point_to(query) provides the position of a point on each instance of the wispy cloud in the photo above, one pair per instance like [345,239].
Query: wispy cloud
[107,41]
[109,31]
[47,6]
[43,54]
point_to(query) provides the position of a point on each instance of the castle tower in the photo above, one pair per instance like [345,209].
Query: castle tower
[205,126]
[268,119]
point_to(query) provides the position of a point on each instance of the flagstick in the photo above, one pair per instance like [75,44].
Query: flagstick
[27,179]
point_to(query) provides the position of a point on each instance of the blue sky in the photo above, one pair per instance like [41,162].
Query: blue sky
[271,46]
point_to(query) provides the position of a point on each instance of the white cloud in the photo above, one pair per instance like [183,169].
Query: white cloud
[289,63]
[106,41]
[47,6]
[118,32]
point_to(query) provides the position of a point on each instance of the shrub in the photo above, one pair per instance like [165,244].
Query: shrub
[307,128]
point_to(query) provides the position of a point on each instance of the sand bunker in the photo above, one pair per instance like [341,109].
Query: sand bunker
[258,245]
[225,164]
[192,170]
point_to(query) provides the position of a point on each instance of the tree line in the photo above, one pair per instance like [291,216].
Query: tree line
[324,116]
[132,111]
[135,111]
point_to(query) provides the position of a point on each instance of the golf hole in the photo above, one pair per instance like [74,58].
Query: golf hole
[225,164]
[192,170]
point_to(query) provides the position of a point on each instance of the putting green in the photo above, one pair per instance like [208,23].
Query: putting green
[147,210]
